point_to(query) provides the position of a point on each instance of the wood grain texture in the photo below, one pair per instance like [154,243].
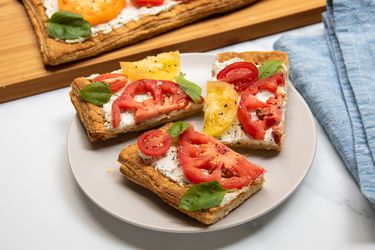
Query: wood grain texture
[23,73]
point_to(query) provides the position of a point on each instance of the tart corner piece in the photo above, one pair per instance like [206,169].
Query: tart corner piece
[236,136]
[147,176]
[112,103]
[90,115]
[93,117]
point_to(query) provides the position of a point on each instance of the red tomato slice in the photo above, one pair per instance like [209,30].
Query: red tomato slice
[148,3]
[115,81]
[205,159]
[268,114]
[166,96]
[154,142]
[240,74]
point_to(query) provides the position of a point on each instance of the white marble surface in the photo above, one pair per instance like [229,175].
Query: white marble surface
[43,208]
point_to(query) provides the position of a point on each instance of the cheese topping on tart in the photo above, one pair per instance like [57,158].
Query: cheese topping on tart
[168,165]
[128,14]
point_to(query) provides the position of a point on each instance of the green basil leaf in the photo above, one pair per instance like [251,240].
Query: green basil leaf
[177,128]
[190,88]
[66,25]
[269,68]
[97,93]
[203,195]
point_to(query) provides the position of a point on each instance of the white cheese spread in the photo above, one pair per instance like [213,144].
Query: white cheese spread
[141,98]
[228,197]
[235,134]
[127,118]
[128,14]
[170,167]
[263,95]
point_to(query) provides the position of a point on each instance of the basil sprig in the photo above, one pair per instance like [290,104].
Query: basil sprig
[203,195]
[177,128]
[68,26]
[190,88]
[269,68]
[97,93]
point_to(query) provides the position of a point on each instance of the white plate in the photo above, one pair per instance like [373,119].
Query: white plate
[95,168]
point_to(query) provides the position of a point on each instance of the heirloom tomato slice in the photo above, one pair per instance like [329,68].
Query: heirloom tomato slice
[256,116]
[220,107]
[154,142]
[204,159]
[240,74]
[94,11]
[164,66]
[114,80]
[163,98]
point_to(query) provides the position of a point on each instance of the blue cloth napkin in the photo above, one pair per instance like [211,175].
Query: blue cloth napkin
[335,73]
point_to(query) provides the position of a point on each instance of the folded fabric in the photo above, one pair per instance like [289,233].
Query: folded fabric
[335,73]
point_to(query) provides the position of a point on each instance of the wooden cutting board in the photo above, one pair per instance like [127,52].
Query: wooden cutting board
[23,73]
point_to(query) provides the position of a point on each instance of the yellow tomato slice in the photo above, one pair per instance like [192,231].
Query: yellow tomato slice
[164,66]
[94,11]
[220,107]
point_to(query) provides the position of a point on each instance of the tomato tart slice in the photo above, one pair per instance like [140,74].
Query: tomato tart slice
[70,30]
[246,99]
[142,95]
[193,172]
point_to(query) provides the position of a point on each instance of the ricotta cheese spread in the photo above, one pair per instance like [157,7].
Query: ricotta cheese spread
[127,118]
[128,14]
[170,167]
[235,134]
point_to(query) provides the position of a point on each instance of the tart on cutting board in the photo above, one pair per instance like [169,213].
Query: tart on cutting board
[69,30]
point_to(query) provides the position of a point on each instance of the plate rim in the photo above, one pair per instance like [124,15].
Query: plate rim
[202,229]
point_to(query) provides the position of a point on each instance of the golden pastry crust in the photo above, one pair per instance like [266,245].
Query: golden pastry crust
[56,52]
[170,192]
[255,144]
[256,57]
[259,57]
[92,116]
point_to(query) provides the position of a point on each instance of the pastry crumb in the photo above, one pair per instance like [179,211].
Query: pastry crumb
[110,170]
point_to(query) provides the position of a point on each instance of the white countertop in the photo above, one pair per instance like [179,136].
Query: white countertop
[43,208]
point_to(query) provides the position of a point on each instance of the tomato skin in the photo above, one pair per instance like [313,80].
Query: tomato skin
[240,74]
[154,142]
[205,159]
[278,78]
[148,3]
[116,117]
[115,81]
[256,129]
[166,96]
[269,113]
